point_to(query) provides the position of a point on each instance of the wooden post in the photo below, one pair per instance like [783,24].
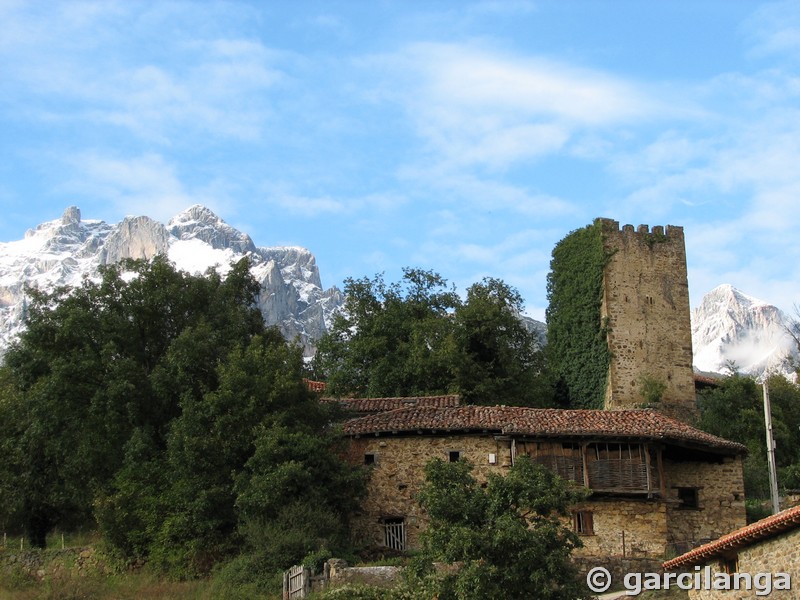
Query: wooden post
[585,464]
[647,466]
[773,475]
[662,483]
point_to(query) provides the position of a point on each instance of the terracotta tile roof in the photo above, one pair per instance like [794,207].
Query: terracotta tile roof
[707,380]
[377,405]
[315,386]
[765,528]
[542,422]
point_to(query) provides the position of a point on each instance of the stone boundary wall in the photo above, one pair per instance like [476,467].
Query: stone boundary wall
[340,574]
[41,564]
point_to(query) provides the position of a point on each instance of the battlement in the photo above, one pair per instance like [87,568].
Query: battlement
[670,232]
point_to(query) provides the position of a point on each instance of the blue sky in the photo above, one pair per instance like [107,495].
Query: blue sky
[462,137]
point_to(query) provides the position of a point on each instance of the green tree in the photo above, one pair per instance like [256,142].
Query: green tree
[390,340]
[417,337]
[497,360]
[507,538]
[735,411]
[140,402]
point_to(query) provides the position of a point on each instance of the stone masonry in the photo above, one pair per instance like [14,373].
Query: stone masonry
[758,557]
[623,527]
[646,309]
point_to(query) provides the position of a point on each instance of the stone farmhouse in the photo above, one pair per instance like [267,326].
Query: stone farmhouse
[658,485]
[769,547]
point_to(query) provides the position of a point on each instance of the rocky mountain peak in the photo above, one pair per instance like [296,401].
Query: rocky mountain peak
[731,327]
[64,251]
[71,215]
[200,222]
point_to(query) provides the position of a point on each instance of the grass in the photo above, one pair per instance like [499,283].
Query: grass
[673,593]
[68,586]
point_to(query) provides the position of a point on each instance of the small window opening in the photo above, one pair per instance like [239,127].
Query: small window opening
[395,533]
[689,497]
[730,564]
[369,459]
[582,522]
[454,455]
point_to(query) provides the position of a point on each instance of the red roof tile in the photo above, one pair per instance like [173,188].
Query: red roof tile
[376,405]
[542,422]
[763,529]
[315,386]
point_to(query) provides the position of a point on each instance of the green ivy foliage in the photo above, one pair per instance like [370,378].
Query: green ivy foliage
[576,335]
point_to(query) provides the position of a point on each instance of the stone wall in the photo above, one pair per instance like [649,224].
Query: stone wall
[625,528]
[780,554]
[646,307]
[399,471]
[41,564]
[649,525]
[720,488]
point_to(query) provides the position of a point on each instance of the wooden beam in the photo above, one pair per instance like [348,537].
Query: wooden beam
[585,463]
[647,464]
[661,480]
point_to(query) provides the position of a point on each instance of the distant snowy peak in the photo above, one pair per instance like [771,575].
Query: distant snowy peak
[199,222]
[65,250]
[730,327]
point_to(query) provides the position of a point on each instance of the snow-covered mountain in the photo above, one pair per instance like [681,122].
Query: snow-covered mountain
[64,251]
[732,328]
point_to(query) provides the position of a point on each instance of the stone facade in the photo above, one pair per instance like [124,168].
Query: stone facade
[646,309]
[720,506]
[758,557]
[645,525]
[399,471]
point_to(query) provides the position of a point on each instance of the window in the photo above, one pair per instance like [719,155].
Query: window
[454,455]
[582,522]
[394,531]
[689,498]
[369,459]
[730,564]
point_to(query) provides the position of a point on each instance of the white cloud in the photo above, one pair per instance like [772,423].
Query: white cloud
[478,107]
[123,64]
[292,202]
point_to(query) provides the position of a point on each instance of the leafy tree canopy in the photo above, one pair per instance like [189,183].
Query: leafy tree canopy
[153,402]
[735,411]
[418,337]
[507,537]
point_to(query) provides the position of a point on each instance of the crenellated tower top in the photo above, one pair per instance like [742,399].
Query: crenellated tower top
[645,308]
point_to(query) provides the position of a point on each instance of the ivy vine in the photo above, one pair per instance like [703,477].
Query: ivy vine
[576,335]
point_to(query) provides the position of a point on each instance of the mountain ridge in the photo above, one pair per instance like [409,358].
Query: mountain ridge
[734,330]
[729,327]
[65,250]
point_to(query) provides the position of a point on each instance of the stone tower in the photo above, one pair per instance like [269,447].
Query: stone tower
[646,309]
